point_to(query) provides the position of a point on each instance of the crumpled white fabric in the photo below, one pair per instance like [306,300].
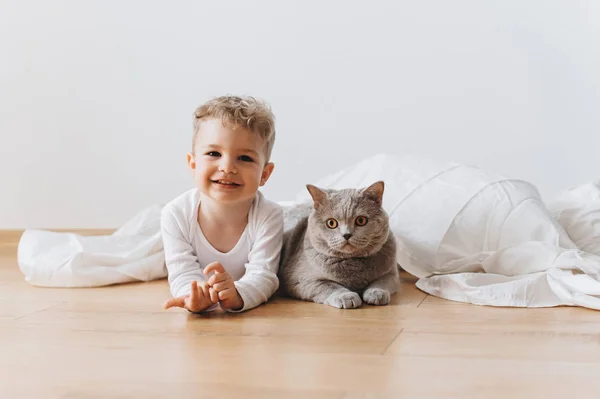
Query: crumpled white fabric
[469,235]
[473,236]
[58,259]
[578,212]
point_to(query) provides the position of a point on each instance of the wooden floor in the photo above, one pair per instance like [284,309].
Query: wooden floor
[117,342]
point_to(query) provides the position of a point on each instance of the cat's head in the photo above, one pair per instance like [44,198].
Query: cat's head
[348,222]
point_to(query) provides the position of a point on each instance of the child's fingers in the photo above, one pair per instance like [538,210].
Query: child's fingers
[222,286]
[205,290]
[229,293]
[193,300]
[214,267]
[214,295]
[179,302]
[217,278]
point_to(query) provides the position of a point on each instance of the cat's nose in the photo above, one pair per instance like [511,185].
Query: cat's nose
[347,236]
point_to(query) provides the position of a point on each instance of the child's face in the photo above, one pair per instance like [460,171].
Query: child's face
[228,162]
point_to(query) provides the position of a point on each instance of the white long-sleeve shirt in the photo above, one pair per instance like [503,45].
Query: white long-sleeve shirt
[252,263]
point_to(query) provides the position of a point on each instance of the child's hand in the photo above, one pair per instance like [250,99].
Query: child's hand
[223,284]
[199,299]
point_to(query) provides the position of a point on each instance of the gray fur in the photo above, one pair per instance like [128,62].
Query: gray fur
[317,265]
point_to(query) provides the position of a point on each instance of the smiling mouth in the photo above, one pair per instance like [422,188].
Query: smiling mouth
[226,183]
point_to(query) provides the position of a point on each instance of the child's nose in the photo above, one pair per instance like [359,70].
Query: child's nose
[227,165]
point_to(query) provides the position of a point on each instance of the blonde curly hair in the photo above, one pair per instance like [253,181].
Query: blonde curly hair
[248,112]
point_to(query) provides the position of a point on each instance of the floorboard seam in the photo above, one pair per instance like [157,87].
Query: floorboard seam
[423,300]
[39,310]
[392,341]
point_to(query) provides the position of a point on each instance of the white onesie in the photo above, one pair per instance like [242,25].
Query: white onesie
[252,263]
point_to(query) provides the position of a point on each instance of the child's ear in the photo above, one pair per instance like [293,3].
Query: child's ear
[266,173]
[191,161]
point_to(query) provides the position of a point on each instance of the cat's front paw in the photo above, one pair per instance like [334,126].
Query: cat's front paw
[344,300]
[376,296]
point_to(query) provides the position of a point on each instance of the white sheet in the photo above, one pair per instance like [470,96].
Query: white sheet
[469,236]
[132,253]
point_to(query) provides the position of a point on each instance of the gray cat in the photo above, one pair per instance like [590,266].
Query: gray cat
[339,248]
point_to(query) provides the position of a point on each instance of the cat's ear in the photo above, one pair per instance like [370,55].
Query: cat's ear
[375,192]
[319,196]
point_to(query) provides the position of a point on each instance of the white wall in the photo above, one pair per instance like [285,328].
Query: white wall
[96,97]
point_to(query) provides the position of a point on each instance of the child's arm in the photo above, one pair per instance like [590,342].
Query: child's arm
[260,281]
[182,264]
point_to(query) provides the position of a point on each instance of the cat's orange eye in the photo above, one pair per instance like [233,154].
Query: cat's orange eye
[332,223]
[361,221]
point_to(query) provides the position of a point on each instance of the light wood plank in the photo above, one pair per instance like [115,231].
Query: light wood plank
[524,345]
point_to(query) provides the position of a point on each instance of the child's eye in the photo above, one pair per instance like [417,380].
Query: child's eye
[213,154]
[246,158]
